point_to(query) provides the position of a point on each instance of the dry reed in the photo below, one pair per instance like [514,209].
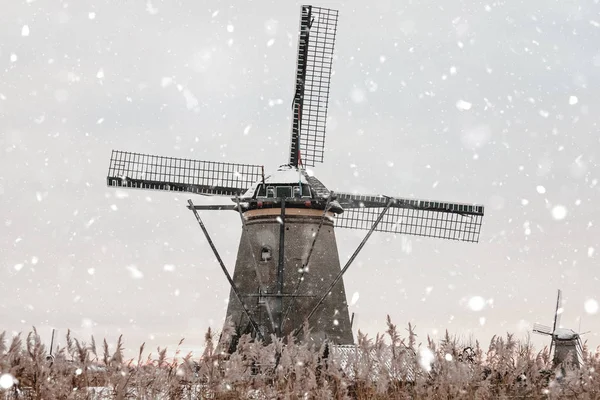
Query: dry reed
[385,367]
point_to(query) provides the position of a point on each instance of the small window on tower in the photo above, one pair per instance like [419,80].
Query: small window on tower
[262,191]
[261,298]
[265,254]
[270,191]
[305,191]
[284,192]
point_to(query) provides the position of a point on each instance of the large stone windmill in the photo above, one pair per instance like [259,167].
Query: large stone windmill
[288,270]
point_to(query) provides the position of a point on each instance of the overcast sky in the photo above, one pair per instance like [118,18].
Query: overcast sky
[464,101]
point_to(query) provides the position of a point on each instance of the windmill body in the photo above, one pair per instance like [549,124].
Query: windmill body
[567,347]
[287,270]
[280,302]
[565,342]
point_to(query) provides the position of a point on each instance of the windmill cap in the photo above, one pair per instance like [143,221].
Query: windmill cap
[565,334]
[286,174]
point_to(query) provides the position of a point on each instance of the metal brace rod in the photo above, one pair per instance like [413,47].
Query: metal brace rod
[213,207]
[260,284]
[52,343]
[233,287]
[341,273]
[280,267]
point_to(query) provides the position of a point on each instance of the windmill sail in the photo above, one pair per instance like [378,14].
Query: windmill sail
[413,217]
[313,75]
[542,329]
[558,311]
[556,324]
[143,171]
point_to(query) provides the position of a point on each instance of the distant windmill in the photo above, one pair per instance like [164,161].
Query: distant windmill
[565,342]
[288,269]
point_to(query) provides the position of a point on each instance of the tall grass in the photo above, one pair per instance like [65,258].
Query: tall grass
[386,366]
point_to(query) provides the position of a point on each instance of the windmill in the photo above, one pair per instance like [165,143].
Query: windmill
[565,342]
[287,270]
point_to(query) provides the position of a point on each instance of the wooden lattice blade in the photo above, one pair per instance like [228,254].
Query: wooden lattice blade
[559,310]
[542,329]
[313,75]
[144,171]
[436,219]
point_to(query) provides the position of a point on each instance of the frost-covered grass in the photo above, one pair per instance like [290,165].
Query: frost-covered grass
[387,366]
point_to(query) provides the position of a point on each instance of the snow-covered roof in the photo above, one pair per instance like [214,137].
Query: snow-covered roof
[565,334]
[284,174]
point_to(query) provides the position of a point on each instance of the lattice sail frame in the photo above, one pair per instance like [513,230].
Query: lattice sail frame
[144,171]
[313,75]
[454,221]
[542,329]
[558,312]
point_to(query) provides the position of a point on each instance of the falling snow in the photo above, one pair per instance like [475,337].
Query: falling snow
[591,306]
[6,381]
[166,81]
[271,26]
[426,358]
[559,212]
[357,95]
[134,272]
[191,101]
[151,9]
[355,297]
[476,303]
[463,105]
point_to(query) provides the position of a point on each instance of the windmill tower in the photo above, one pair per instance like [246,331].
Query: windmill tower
[288,269]
[565,342]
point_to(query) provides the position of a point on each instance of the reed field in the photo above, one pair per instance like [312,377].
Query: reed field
[387,366]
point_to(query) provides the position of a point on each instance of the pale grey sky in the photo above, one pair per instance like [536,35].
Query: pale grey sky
[494,103]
